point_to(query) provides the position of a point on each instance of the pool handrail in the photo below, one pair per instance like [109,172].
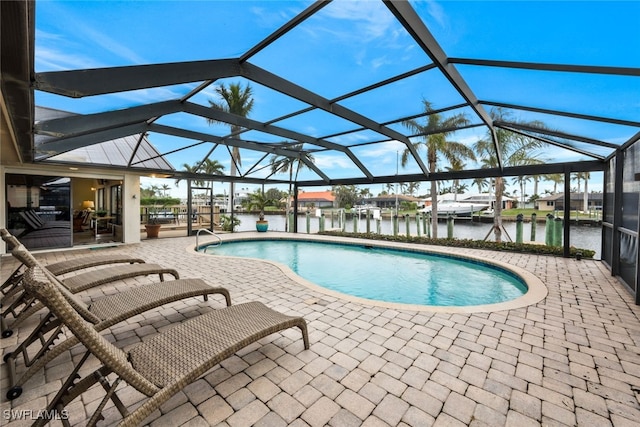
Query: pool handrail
[210,232]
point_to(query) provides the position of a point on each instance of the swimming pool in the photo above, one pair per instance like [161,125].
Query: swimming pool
[382,274]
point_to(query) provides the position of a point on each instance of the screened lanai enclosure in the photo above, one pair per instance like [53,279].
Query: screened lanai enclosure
[355,91]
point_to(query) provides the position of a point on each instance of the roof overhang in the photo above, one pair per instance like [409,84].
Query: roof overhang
[16,65]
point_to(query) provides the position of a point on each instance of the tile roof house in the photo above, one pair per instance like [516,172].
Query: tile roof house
[316,199]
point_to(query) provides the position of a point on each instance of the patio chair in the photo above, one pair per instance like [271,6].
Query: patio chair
[101,313]
[22,307]
[81,219]
[162,365]
[11,285]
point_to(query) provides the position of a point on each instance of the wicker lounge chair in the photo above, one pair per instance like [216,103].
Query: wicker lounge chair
[11,285]
[164,364]
[22,306]
[39,349]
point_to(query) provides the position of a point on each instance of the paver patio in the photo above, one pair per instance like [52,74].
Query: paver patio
[571,359]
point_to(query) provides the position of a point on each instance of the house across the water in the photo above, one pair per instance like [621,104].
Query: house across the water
[555,202]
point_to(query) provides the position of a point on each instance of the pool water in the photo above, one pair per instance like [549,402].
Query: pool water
[385,274]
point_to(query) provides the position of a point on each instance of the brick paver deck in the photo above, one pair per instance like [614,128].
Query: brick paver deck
[571,359]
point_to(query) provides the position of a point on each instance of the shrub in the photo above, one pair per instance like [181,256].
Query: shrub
[159,201]
[468,243]
[227,224]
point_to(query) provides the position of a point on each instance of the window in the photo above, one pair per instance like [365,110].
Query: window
[116,203]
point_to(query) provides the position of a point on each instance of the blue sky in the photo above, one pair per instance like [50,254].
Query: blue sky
[349,45]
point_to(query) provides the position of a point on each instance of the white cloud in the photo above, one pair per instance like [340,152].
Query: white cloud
[272,18]
[327,161]
[52,59]
[384,151]
[89,35]
[372,19]
[380,61]
[355,25]
[53,49]
[436,12]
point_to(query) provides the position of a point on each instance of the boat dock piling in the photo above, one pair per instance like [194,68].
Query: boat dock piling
[519,225]
[533,227]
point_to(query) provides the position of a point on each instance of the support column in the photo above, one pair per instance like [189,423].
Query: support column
[189,209]
[617,213]
[295,210]
[131,208]
[567,213]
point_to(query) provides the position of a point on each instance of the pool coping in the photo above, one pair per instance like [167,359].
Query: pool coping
[536,289]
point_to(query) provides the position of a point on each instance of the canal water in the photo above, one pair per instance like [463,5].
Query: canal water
[585,237]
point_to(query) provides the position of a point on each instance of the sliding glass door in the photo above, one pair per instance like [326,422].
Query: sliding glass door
[39,210]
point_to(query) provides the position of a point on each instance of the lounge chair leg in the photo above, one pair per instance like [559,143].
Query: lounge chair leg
[45,326]
[227,296]
[305,335]
[6,333]
[110,389]
[13,392]
[12,281]
[39,334]
[69,390]
[31,307]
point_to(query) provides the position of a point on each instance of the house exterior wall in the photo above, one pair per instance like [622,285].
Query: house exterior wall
[546,205]
[551,203]
[130,184]
[131,208]
[314,204]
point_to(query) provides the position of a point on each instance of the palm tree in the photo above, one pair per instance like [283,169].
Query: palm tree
[239,101]
[522,182]
[403,188]
[208,167]
[516,150]
[412,187]
[556,178]
[584,176]
[536,181]
[435,142]
[259,200]
[456,165]
[390,187]
[212,167]
[364,193]
[284,164]
[481,183]
[154,190]
[164,189]
[191,169]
